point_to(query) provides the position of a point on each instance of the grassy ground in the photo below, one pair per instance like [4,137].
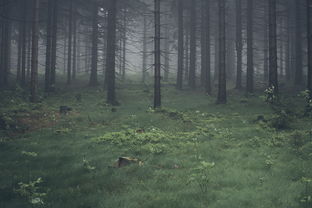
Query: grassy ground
[193,152]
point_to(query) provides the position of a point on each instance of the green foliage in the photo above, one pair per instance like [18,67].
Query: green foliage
[306,198]
[281,120]
[31,191]
[86,165]
[200,175]
[270,96]
[307,95]
[30,154]
[298,139]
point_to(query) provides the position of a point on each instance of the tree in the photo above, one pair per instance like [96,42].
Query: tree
[205,46]
[309,24]
[70,37]
[298,45]
[48,47]
[95,32]
[157,92]
[273,82]
[239,44]
[192,70]
[222,53]
[180,45]
[54,45]
[34,54]
[144,54]
[111,51]
[250,65]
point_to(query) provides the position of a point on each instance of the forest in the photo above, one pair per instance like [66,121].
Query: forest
[156,103]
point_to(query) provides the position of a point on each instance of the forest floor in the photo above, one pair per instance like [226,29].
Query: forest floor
[190,154]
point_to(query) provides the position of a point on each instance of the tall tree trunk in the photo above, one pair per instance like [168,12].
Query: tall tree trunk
[250,65]
[54,45]
[187,54]
[239,44]
[74,43]
[157,93]
[48,47]
[222,54]
[70,36]
[167,52]
[205,46]
[265,43]
[180,45]
[298,28]
[6,45]
[111,52]
[94,61]
[24,44]
[273,82]
[124,45]
[34,54]
[309,23]
[192,70]
[144,55]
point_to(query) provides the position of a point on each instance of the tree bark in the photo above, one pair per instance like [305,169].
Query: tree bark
[34,55]
[222,54]
[70,36]
[157,76]
[309,23]
[180,45]
[250,64]
[111,52]
[54,45]
[273,74]
[94,59]
[239,44]
[192,70]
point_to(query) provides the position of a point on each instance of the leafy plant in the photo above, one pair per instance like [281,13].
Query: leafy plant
[201,175]
[31,191]
[307,95]
[307,195]
[86,165]
[270,95]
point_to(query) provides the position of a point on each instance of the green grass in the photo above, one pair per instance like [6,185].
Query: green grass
[255,165]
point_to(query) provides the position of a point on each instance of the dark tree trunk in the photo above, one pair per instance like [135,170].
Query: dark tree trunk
[124,45]
[167,52]
[192,70]
[24,44]
[250,65]
[34,54]
[222,54]
[239,44]
[265,44]
[94,59]
[6,45]
[48,47]
[205,46]
[111,52]
[180,45]
[187,54]
[75,44]
[54,45]
[273,82]
[309,23]
[298,29]
[144,55]
[157,93]
[70,36]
